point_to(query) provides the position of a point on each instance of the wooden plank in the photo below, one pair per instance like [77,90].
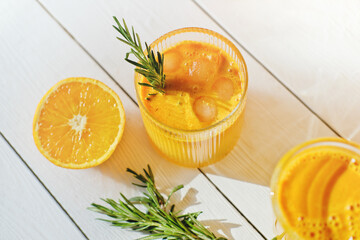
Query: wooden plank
[35,57]
[312,47]
[275,121]
[28,211]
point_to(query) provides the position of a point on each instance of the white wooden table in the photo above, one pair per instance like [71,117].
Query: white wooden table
[303,59]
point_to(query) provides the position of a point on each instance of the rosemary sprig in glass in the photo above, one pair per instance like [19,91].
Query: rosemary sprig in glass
[160,220]
[148,65]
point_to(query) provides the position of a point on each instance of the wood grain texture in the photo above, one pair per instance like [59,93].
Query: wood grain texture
[275,120]
[28,211]
[312,47]
[33,60]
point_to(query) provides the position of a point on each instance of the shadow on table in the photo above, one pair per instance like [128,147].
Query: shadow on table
[272,126]
[217,226]
[225,229]
[135,151]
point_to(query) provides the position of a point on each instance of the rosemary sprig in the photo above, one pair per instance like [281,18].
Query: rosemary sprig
[148,65]
[160,220]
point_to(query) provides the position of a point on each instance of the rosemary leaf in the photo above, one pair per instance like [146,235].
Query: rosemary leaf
[148,65]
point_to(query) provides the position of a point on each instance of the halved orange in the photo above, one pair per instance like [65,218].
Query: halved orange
[78,123]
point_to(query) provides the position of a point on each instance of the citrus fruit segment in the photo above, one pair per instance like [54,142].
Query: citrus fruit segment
[78,123]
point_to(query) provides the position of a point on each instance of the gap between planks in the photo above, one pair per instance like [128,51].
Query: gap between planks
[24,162]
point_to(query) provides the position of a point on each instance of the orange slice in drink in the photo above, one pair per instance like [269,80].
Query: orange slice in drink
[78,123]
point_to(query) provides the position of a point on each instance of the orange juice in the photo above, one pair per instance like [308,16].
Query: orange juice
[197,121]
[202,87]
[316,192]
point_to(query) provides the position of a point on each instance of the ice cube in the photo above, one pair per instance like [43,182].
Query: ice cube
[172,61]
[202,69]
[205,109]
[224,88]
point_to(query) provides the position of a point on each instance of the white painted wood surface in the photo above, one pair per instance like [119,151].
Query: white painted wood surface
[273,122]
[36,52]
[27,209]
[313,47]
[30,68]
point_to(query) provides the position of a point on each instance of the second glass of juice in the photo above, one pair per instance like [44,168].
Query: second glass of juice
[197,121]
[315,190]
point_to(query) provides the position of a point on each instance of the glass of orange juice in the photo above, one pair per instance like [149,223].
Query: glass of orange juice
[197,121]
[315,190]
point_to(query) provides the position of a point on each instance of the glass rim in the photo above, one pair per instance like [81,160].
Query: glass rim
[243,68]
[286,159]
